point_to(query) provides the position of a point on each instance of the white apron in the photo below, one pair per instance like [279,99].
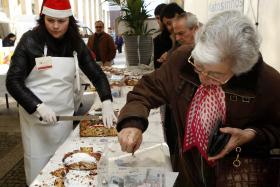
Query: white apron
[55,87]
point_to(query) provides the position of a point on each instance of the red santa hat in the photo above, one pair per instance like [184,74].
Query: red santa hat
[56,8]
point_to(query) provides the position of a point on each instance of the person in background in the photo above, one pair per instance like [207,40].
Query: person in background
[43,76]
[164,44]
[102,45]
[167,16]
[119,43]
[185,26]
[157,12]
[9,40]
[222,79]
[162,41]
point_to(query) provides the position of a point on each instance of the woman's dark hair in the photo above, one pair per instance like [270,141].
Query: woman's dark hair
[7,41]
[159,8]
[10,35]
[170,11]
[72,35]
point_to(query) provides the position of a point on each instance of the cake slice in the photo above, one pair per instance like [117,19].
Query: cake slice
[95,128]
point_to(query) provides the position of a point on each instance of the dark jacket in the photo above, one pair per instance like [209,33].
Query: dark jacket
[106,47]
[252,101]
[119,40]
[162,43]
[31,46]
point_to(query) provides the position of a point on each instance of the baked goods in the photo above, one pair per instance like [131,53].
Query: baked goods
[131,82]
[95,128]
[80,168]
[86,149]
[81,160]
[79,179]
[59,182]
[61,172]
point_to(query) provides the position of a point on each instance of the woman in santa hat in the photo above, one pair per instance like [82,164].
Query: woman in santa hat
[43,76]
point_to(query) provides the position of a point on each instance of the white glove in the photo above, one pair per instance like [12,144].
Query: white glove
[108,115]
[47,114]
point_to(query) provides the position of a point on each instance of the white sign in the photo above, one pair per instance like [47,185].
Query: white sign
[217,6]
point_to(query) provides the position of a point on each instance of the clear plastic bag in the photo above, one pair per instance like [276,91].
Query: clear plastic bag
[149,166]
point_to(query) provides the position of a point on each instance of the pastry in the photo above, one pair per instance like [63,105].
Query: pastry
[61,172]
[95,128]
[79,179]
[80,160]
[59,182]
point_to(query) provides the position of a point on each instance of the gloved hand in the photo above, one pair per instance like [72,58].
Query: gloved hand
[108,115]
[47,114]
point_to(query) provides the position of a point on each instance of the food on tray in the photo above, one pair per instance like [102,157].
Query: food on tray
[111,70]
[93,128]
[79,179]
[81,160]
[86,149]
[59,182]
[61,172]
[91,89]
[116,83]
[131,82]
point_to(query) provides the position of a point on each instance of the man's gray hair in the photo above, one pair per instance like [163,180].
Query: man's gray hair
[190,18]
[228,35]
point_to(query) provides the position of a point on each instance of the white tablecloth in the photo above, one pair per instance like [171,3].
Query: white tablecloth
[152,136]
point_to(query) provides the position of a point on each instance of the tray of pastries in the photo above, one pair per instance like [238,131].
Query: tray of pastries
[83,159]
[95,128]
[80,168]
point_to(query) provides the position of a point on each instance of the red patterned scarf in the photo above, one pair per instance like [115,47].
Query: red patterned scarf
[207,107]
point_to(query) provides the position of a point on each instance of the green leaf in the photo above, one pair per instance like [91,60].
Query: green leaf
[134,15]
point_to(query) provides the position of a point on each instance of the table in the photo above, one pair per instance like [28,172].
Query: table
[152,136]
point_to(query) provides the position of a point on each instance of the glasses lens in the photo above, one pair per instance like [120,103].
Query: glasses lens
[199,71]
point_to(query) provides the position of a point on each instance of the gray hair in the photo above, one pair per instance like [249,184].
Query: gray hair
[228,35]
[190,18]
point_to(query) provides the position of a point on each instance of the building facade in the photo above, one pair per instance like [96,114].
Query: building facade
[18,16]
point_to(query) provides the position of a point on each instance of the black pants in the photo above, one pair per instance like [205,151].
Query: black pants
[170,130]
[119,48]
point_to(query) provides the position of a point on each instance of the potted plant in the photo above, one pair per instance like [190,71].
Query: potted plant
[138,39]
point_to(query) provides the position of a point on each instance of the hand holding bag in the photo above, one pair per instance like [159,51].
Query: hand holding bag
[217,140]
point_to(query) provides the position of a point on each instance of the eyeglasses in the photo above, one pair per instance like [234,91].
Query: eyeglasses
[209,74]
[98,27]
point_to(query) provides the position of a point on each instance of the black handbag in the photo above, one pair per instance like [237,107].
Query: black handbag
[217,140]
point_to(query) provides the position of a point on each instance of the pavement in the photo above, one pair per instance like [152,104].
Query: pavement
[11,151]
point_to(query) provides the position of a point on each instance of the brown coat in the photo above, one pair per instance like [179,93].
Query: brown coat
[252,101]
[107,48]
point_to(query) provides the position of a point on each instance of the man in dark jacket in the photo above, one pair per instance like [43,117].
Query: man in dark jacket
[102,44]
[164,44]
[119,42]
[224,78]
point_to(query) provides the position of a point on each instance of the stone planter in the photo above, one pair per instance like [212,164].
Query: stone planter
[138,49]
[145,49]
[131,50]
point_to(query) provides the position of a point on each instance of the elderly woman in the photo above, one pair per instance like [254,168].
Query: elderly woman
[223,79]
